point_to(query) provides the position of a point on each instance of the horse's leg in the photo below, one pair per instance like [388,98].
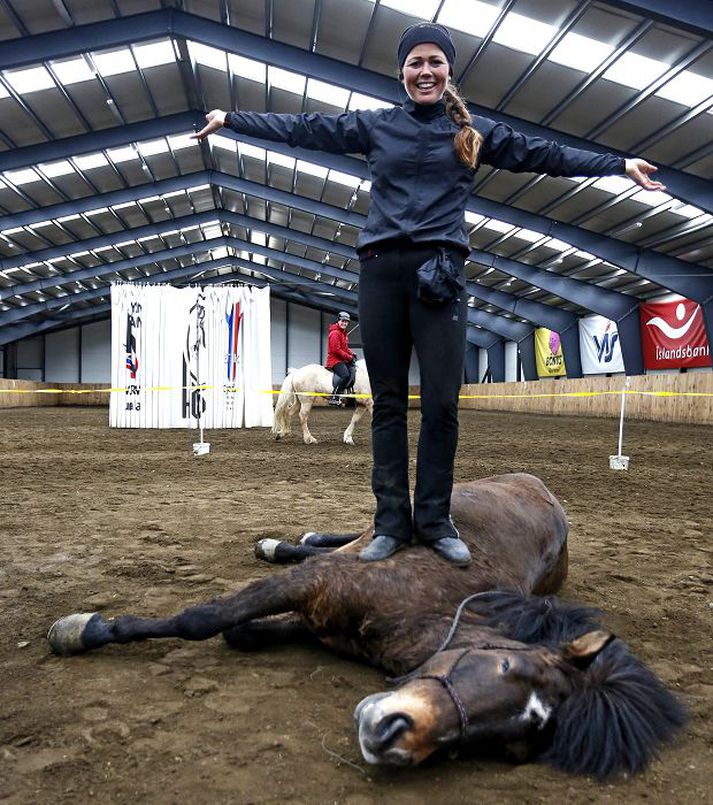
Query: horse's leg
[279,552]
[359,412]
[326,539]
[256,634]
[305,408]
[270,596]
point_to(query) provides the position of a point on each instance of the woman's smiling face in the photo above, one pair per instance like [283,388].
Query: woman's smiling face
[425,73]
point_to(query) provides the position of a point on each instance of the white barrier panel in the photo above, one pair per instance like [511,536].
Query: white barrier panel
[190,357]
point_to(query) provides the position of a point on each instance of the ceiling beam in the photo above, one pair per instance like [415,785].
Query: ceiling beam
[171,22]
[693,15]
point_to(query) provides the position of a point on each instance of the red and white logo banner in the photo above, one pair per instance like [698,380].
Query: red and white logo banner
[673,335]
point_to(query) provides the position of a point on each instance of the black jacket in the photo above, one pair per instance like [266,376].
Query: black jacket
[419,186]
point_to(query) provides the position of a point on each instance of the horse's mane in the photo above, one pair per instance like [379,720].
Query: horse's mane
[537,619]
[618,712]
[615,718]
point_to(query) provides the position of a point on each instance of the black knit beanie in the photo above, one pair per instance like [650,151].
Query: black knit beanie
[424,32]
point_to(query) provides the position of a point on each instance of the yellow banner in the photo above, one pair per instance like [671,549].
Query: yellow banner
[548,353]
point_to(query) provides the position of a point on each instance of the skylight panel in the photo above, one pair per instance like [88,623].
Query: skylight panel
[63,219]
[687,210]
[613,184]
[285,79]
[30,80]
[23,176]
[181,141]
[473,217]
[72,71]
[155,53]
[260,238]
[470,16]
[312,169]
[344,178]
[150,148]
[219,253]
[223,142]
[114,62]
[414,8]
[529,235]
[366,186]
[96,211]
[524,33]
[53,169]
[498,226]
[247,68]
[327,93]
[247,150]
[3,92]
[652,198]
[359,101]
[90,161]
[123,154]
[556,243]
[212,230]
[687,88]
[283,160]
[635,71]
[204,54]
[580,52]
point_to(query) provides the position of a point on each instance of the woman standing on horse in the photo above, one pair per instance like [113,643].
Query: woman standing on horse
[422,157]
[340,359]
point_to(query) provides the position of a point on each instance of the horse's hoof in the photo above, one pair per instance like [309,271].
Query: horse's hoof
[349,441]
[65,635]
[265,549]
[305,538]
[311,441]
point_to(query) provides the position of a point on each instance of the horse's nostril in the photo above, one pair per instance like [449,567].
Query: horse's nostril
[389,728]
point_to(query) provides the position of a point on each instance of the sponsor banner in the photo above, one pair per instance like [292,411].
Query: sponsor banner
[548,353]
[599,346]
[673,335]
[181,358]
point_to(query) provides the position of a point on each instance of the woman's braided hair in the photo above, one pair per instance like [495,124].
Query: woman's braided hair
[468,140]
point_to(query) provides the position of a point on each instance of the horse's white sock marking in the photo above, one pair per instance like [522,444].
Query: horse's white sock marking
[304,539]
[267,548]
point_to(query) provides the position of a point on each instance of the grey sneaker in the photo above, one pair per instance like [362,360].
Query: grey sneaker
[452,549]
[381,547]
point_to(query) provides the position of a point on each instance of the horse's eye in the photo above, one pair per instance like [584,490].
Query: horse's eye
[505,666]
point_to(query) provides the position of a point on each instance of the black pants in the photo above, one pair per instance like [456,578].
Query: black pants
[392,320]
[344,377]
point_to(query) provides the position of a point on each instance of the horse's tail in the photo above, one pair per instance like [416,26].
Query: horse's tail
[285,401]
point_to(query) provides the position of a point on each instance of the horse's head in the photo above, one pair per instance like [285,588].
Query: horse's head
[514,696]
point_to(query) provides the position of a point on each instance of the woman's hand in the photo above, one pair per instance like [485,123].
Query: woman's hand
[639,170]
[216,120]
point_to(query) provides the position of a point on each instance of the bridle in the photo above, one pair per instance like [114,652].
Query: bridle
[445,678]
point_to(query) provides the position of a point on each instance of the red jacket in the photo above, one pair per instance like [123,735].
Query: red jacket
[337,346]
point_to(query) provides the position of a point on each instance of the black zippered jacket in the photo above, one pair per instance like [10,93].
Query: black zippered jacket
[420,187]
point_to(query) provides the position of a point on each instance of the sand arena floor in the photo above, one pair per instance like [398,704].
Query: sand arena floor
[130,521]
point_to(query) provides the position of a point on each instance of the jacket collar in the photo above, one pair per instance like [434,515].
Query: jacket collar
[425,111]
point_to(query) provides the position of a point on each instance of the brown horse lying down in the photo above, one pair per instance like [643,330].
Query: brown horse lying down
[484,659]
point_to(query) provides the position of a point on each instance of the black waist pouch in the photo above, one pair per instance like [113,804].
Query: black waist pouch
[439,279]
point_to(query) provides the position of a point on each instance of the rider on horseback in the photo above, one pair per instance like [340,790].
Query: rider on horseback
[340,359]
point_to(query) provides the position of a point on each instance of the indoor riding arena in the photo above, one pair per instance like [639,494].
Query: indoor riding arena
[224,227]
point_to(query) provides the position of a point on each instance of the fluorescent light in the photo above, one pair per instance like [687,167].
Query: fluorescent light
[470,16]
[285,79]
[30,80]
[96,211]
[90,161]
[327,93]
[114,62]
[687,88]
[580,52]
[72,71]
[247,68]
[635,71]
[524,33]
[155,53]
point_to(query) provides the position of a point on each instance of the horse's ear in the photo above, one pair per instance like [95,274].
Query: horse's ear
[583,650]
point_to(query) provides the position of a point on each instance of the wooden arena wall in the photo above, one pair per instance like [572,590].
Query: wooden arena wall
[661,397]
